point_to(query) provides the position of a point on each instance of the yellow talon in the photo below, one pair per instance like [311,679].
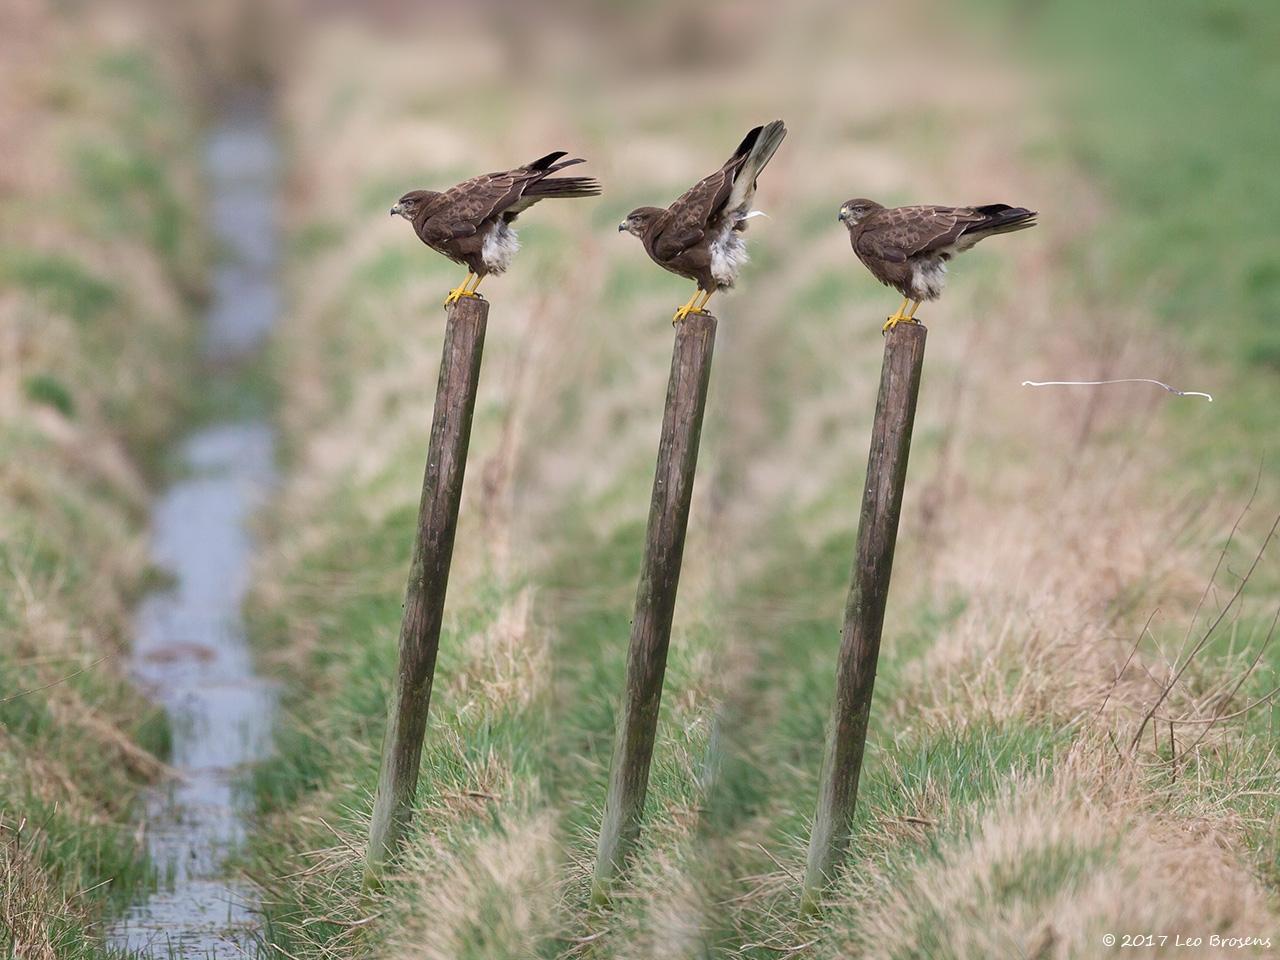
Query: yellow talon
[685,310]
[695,305]
[894,321]
[900,317]
[464,289]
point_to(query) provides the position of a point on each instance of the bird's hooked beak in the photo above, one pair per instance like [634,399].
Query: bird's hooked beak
[397,210]
[841,216]
[622,227]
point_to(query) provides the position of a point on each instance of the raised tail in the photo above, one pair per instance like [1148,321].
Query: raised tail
[762,151]
[1002,218]
[757,149]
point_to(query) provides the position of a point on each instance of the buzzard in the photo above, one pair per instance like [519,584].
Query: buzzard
[471,222]
[907,248]
[699,237]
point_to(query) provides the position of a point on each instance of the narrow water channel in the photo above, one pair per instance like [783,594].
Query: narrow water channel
[190,652]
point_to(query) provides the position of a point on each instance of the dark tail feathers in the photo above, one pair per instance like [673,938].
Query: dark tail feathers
[773,131]
[564,187]
[1002,218]
[548,163]
[747,143]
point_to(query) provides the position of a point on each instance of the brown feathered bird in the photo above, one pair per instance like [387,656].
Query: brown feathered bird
[907,248]
[471,223]
[699,237]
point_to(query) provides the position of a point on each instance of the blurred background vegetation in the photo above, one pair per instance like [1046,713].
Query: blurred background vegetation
[1003,811]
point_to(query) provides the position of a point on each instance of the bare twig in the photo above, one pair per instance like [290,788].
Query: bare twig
[1203,641]
[54,683]
[1128,660]
[1243,677]
[777,863]
[342,923]
[1222,556]
[581,940]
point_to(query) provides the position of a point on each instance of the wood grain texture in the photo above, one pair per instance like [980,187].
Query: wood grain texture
[864,610]
[428,580]
[655,597]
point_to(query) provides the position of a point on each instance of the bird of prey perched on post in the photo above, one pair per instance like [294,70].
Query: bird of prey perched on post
[471,222]
[907,248]
[699,237]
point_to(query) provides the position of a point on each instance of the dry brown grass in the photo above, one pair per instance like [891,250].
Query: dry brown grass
[1126,869]
[499,884]
[29,898]
[1050,515]
[88,387]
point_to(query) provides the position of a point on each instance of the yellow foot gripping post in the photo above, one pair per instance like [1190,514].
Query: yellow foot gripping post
[465,289]
[693,306]
[894,321]
[900,317]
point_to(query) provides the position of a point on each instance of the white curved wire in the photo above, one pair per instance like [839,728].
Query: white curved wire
[1096,383]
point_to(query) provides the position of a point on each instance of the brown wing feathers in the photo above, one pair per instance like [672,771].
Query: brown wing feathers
[700,211]
[908,247]
[460,210]
[901,232]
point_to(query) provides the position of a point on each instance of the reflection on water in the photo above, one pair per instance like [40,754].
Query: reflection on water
[189,652]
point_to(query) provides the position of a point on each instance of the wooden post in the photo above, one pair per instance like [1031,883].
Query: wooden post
[655,597]
[864,610]
[428,580]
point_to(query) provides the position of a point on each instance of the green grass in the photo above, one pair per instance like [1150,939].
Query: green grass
[334,751]
[50,391]
[61,282]
[86,856]
[134,194]
[765,770]
[100,343]
[736,762]
[1164,101]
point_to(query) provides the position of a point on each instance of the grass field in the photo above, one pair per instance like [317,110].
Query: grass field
[1006,809]
[1073,734]
[101,261]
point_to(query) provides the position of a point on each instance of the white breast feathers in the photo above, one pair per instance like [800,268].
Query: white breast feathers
[500,246]
[728,256]
[928,277]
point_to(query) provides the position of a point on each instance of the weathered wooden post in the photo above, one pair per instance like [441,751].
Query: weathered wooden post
[864,610]
[428,580]
[655,597]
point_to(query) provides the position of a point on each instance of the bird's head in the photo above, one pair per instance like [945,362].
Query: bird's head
[638,220]
[413,201]
[852,211]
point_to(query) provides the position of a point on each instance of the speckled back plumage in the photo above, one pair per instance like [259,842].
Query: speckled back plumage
[908,248]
